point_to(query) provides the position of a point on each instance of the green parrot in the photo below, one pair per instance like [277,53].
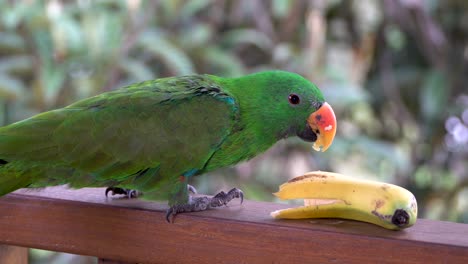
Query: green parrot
[155,135]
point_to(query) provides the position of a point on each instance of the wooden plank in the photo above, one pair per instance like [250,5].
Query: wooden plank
[108,261]
[85,222]
[13,254]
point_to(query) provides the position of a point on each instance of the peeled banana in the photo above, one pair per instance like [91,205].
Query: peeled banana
[333,195]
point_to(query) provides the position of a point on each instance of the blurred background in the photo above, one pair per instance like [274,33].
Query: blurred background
[395,72]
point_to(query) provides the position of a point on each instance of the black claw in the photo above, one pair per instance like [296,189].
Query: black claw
[132,194]
[237,193]
[109,189]
[191,189]
[127,192]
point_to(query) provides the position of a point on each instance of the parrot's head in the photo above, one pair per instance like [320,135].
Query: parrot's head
[289,105]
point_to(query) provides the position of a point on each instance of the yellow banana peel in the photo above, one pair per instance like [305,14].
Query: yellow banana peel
[333,195]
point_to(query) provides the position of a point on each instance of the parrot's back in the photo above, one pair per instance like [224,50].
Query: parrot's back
[142,137]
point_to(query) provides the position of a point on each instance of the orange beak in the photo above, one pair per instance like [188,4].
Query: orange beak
[323,123]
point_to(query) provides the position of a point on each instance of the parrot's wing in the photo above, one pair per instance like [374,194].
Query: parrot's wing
[144,136]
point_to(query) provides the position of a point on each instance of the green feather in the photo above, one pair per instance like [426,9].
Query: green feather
[145,136]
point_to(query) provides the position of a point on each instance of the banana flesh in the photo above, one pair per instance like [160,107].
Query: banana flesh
[333,195]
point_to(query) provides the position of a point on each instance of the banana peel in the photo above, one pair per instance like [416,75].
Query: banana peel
[333,195]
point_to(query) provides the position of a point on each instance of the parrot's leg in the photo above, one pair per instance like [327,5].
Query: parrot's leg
[127,192]
[196,204]
[135,194]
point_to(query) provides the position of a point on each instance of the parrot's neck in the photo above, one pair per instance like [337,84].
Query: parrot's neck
[255,132]
[251,100]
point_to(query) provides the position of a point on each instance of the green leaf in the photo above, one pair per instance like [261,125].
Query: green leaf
[103,34]
[395,38]
[224,63]
[137,69]
[11,42]
[14,14]
[10,88]
[67,34]
[52,80]
[343,94]
[174,58]
[15,64]
[195,36]
[189,8]
[434,95]
[281,8]
[248,36]
[52,76]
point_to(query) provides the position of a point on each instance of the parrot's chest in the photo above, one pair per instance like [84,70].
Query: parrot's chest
[239,147]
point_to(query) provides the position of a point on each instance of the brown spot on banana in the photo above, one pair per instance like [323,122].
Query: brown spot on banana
[381,216]
[385,187]
[378,204]
[308,176]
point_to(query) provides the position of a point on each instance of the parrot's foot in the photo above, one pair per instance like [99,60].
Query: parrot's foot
[127,192]
[204,203]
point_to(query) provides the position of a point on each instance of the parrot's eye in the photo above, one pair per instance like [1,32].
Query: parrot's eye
[294,99]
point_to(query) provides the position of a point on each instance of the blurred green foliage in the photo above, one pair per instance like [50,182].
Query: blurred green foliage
[394,71]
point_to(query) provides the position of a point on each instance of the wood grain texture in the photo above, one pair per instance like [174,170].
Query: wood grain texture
[85,222]
[13,254]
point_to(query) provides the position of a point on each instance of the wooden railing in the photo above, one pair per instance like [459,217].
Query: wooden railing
[134,231]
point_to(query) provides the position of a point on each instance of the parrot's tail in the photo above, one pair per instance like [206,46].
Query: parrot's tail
[9,180]
[26,149]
